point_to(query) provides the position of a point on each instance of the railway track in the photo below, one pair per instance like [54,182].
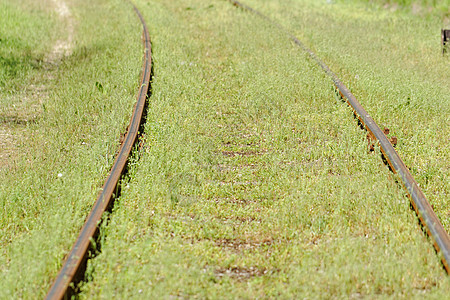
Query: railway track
[74,267]
[423,209]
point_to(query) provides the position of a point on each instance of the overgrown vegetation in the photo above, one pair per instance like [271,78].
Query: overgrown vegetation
[255,182]
[396,70]
[68,116]
[20,51]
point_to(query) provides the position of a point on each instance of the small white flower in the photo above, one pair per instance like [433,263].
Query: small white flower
[59,175]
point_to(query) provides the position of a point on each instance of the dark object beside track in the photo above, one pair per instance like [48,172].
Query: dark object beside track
[74,267]
[428,218]
[445,40]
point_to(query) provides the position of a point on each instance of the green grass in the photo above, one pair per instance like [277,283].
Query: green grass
[64,154]
[21,51]
[398,80]
[254,182]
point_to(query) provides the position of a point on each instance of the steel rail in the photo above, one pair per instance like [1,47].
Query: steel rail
[427,217]
[79,253]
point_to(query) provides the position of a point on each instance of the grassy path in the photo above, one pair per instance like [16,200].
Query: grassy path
[254,181]
[250,186]
[394,68]
[65,111]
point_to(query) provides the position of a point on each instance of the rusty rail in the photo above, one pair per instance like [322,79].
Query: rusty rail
[74,265]
[427,217]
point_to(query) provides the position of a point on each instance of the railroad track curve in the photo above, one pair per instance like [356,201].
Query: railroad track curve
[423,209]
[74,266]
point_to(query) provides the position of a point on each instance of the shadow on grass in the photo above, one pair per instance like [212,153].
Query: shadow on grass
[16,58]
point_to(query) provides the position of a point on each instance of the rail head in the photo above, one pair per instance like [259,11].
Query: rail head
[73,268]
